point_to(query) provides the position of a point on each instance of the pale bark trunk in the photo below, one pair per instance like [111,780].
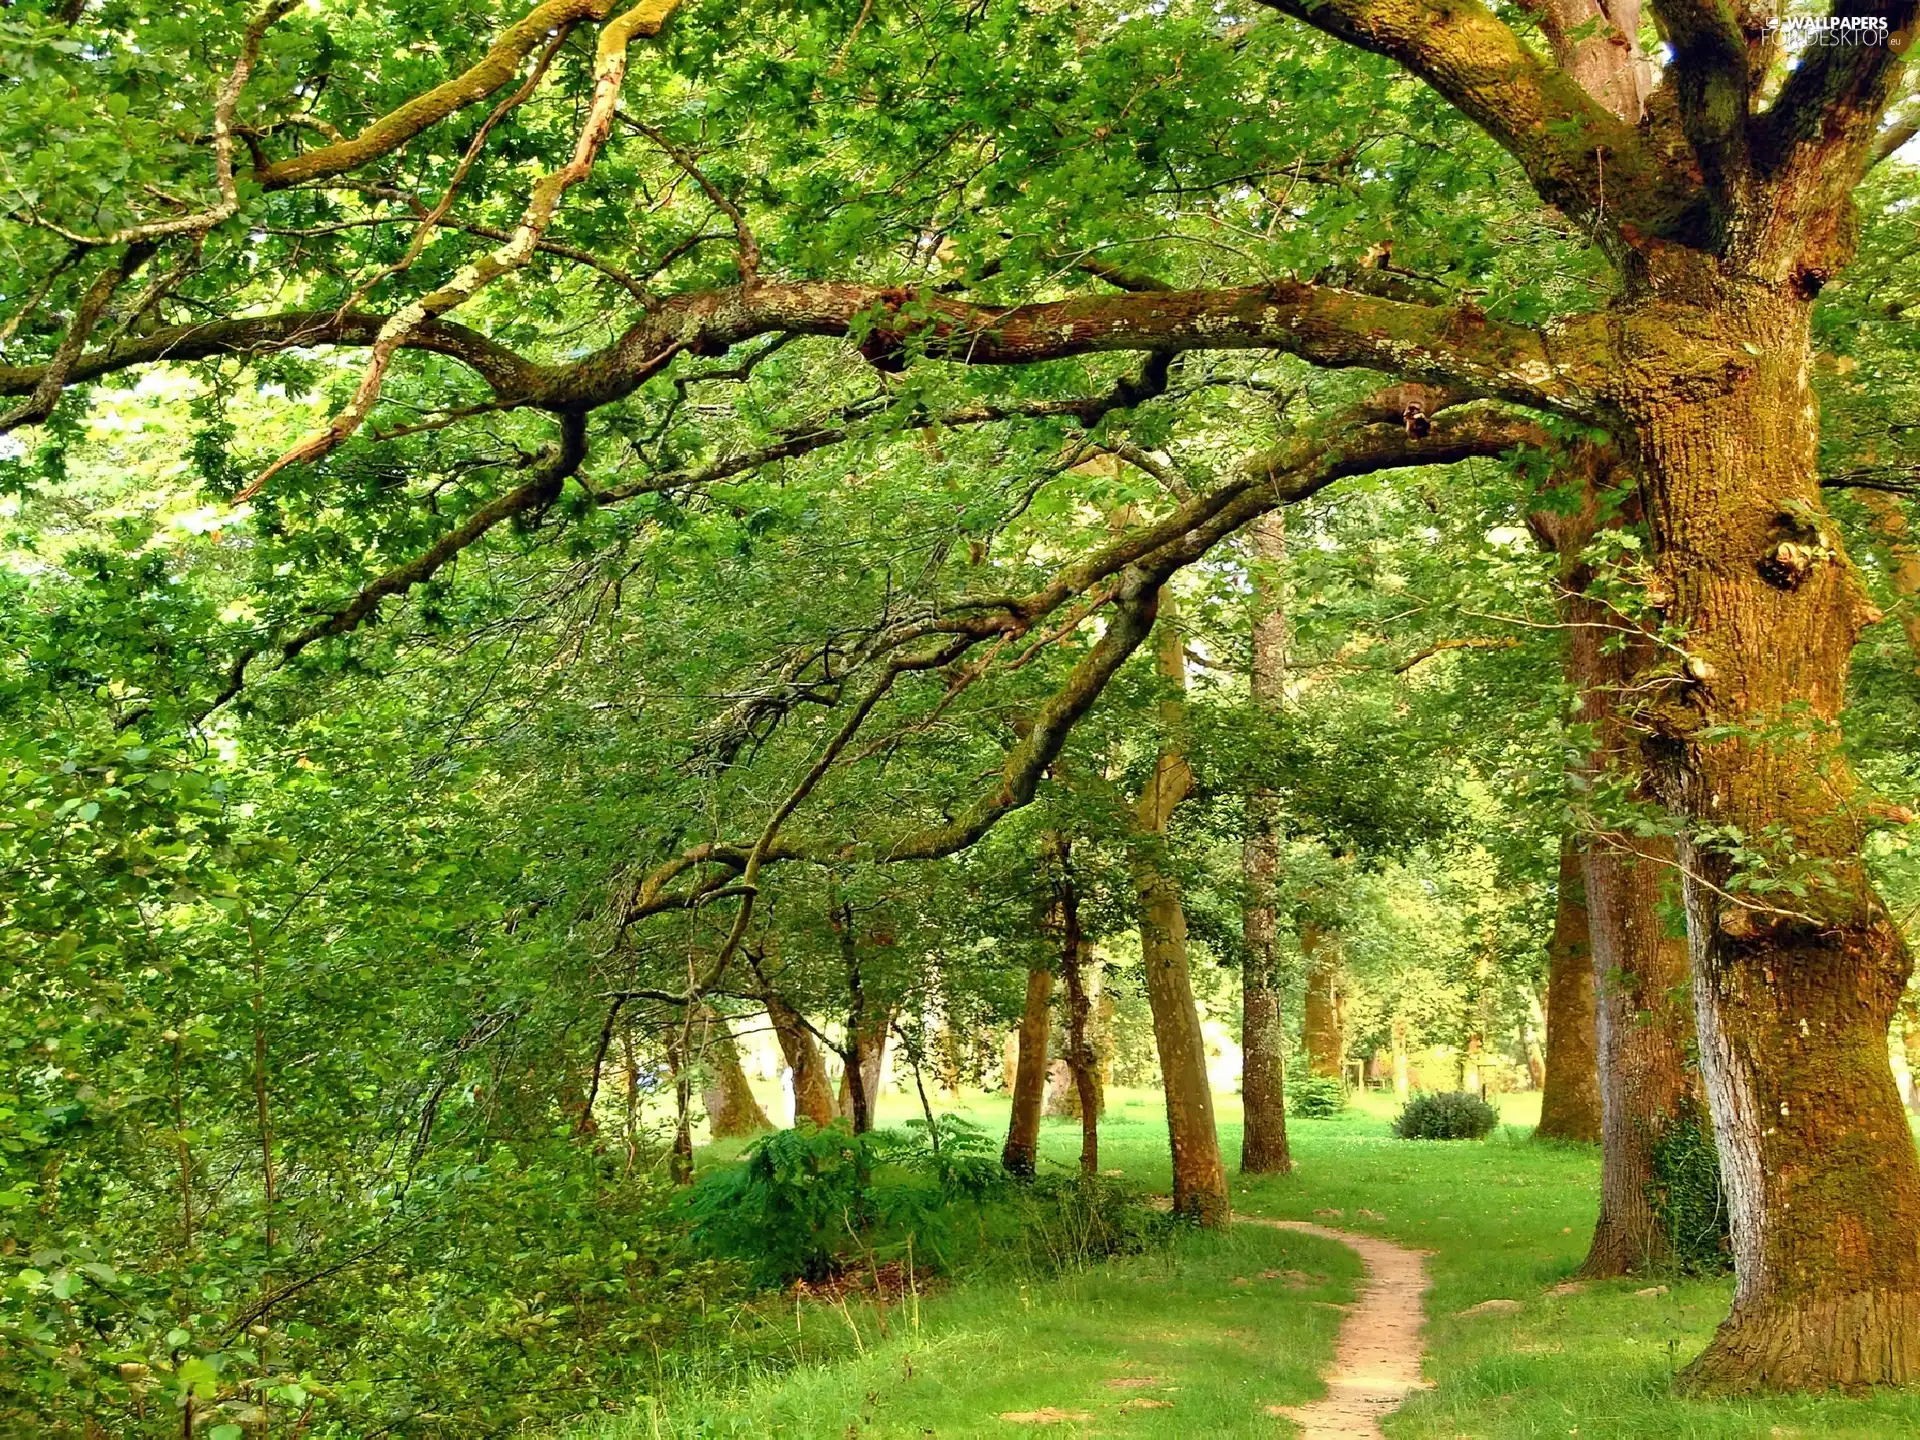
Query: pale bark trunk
[1022,1150]
[1794,992]
[731,1107]
[1199,1176]
[1570,1098]
[1263,1136]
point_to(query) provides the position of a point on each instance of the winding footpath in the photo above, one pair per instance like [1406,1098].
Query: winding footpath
[1376,1360]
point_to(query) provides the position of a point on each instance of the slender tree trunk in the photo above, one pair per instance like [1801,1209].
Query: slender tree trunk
[1022,1150]
[1263,1048]
[1082,1066]
[1066,1085]
[680,1157]
[1081,1060]
[1325,1045]
[1470,1078]
[1793,991]
[866,1028]
[1402,1065]
[1570,1098]
[1199,1176]
[731,1107]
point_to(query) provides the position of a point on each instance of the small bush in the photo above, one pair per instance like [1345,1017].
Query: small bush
[1450,1115]
[1316,1097]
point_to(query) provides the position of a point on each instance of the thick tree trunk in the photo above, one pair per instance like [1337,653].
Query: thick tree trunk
[1320,1014]
[1263,1047]
[1022,1150]
[812,1097]
[1199,1176]
[1641,972]
[1793,991]
[731,1107]
[1570,1098]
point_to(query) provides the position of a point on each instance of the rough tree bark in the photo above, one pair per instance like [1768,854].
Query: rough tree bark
[1064,1082]
[731,1107]
[1570,1097]
[1022,1150]
[1263,1138]
[1199,1176]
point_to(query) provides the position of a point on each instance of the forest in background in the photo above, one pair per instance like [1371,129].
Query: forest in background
[538,538]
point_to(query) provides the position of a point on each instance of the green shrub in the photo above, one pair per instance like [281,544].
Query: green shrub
[1686,1196]
[1449,1115]
[1316,1097]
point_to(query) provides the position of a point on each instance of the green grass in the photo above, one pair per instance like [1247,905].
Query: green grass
[1216,1352]
[1507,1218]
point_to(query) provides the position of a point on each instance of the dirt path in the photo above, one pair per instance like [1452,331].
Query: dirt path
[1377,1358]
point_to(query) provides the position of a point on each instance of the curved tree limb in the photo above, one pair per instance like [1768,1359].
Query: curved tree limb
[1132,570]
[1456,346]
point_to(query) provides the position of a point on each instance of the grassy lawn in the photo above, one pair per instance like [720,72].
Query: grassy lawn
[1504,1219]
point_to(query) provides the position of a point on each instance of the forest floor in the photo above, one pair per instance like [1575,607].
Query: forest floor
[1205,1338]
